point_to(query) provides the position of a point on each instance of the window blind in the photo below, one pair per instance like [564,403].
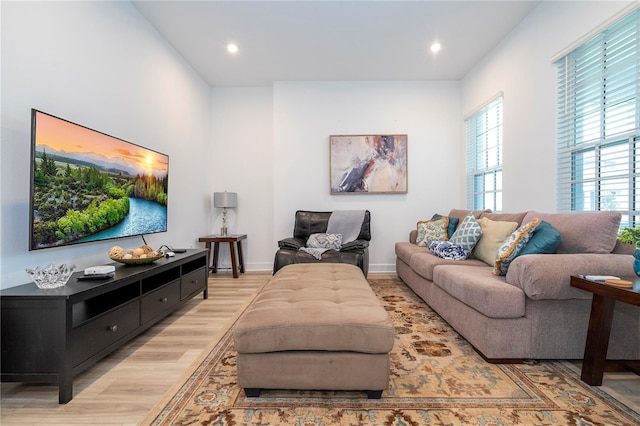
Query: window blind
[484,157]
[598,122]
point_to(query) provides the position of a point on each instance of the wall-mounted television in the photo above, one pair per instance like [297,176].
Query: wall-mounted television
[89,186]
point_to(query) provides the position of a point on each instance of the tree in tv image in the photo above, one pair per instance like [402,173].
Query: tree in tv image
[88,186]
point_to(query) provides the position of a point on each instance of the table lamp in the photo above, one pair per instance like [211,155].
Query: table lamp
[225,200]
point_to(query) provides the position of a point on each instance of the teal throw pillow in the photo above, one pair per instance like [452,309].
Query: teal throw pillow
[453,224]
[545,240]
[512,246]
[467,234]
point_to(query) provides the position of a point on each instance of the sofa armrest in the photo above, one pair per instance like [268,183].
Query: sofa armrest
[292,243]
[413,235]
[548,276]
[354,246]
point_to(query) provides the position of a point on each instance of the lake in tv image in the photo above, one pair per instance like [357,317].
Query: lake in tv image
[89,186]
[145,217]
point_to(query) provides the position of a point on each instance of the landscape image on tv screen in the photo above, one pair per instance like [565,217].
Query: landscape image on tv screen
[89,186]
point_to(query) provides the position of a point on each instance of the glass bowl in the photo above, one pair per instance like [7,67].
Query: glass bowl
[51,276]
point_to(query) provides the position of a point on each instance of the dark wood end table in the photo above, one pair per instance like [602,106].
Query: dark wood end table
[231,239]
[602,304]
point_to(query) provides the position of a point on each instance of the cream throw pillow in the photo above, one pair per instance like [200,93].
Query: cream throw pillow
[493,235]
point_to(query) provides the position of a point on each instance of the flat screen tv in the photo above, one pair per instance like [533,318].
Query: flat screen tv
[89,186]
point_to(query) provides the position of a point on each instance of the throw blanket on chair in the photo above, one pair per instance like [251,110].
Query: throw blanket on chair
[315,252]
[319,243]
[344,226]
[346,222]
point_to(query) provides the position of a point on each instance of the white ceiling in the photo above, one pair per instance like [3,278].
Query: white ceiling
[332,40]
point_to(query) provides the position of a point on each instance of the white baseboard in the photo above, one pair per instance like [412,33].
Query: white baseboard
[382,267]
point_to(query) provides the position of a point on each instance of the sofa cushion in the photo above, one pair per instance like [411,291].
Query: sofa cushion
[467,234]
[583,232]
[513,245]
[460,214]
[424,263]
[493,234]
[545,240]
[480,289]
[504,217]
[547,276]
[405,250]
[432,230]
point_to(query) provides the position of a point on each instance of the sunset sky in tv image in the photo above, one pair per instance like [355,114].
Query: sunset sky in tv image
[65,136]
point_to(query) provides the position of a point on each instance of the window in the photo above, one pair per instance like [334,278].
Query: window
[598,122]
[484,157]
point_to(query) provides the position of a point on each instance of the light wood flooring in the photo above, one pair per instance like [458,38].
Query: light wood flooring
[124,387]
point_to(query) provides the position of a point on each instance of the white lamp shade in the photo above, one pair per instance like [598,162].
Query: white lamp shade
[225,199]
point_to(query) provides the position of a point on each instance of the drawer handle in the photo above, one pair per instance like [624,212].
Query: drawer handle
[113,328]
[164,300]
[194,282]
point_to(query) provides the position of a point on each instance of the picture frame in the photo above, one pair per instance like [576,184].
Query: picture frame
[368,164]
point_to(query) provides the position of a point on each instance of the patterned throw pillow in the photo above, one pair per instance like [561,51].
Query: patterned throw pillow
[431,230]
[512,246]
[467,234]
[453,224]
[326,241]
[447,250]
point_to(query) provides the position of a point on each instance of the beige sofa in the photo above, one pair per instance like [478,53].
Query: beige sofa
[532,312]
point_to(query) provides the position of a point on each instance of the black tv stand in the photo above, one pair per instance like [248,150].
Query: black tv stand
[50,336]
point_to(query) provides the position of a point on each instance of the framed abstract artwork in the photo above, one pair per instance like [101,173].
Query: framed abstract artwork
[368,164]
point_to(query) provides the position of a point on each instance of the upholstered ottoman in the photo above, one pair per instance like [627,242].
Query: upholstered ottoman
[315,326]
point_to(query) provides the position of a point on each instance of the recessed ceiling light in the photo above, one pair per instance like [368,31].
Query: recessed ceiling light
[232,48]
[435,47]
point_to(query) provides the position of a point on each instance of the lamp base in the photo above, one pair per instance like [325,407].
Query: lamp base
[223,231]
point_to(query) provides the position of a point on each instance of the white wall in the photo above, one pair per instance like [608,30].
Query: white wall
[522,68]
[102,65]
[307,113]
[241,161]
[275,154]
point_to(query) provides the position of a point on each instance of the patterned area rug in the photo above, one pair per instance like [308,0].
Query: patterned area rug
[436,378]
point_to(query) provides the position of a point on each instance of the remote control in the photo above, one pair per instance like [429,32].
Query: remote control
[96,276]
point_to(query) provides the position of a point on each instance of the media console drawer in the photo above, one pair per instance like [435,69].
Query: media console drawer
[160,301]
[91,338]
[193,282]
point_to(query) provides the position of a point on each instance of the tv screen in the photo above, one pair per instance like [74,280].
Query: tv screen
[89,186]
